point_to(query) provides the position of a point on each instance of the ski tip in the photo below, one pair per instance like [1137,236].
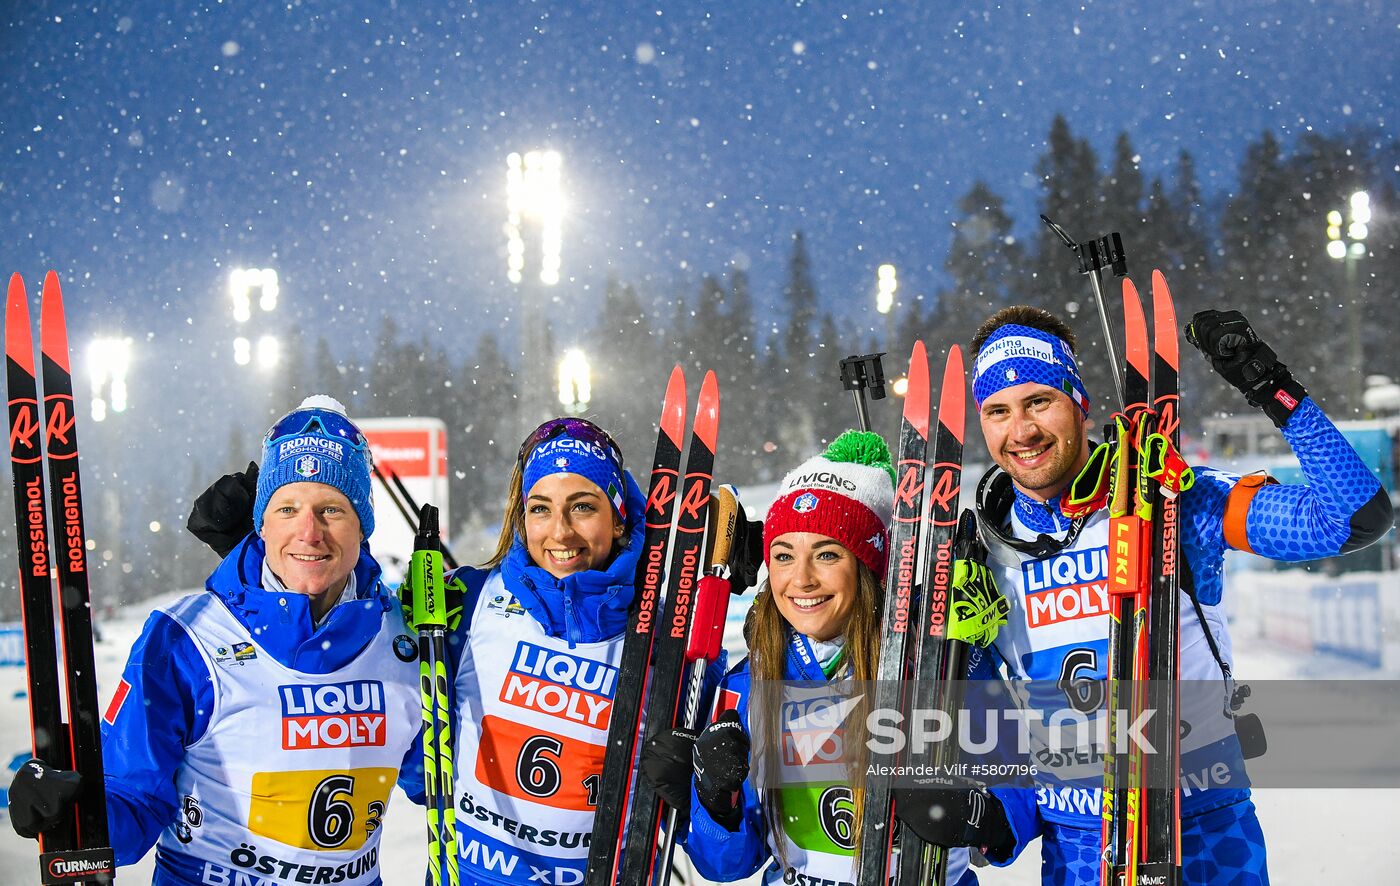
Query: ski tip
[53,331]
[19,338]
[916,403]
[707,411]
[1135,328]
[1164,321]
[952,398]
[673,411]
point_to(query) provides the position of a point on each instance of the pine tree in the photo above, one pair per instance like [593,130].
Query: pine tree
[1122,190]
[744,391]
[986,265]
[628,367]
[1069,173]
[796,435]
[799,304]
[481,449]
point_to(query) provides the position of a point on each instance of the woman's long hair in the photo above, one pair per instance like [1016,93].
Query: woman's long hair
[768,633]
[513,523]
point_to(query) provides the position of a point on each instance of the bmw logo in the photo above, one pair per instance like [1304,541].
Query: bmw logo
[405,648]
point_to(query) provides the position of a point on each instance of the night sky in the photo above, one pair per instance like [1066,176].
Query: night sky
[359,147]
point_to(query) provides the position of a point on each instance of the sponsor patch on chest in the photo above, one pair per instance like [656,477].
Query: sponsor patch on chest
[1065,587]
[332,715]
[559,684]
[506,604]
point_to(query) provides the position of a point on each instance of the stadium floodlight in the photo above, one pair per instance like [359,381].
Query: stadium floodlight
[242,282]
[886,284]
[242,351]
[1352,248]
[108,362]
[268,351]
[534,194]
[1357,221]
[575,387]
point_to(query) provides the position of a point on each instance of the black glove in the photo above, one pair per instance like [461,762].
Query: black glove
[721,760]
[667,765]
[223,514]
[953,812]
[1229,342]
[40,796]
[718,760]
[746,556]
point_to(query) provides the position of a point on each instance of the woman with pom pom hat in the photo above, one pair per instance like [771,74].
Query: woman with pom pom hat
[795,806]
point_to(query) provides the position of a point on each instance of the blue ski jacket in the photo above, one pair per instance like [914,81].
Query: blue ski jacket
[721,855]
[527,639]
[1342,507]
[166,698]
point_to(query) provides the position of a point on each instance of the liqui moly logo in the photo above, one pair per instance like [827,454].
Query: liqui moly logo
[561,685]
[332,715]
[1066,587]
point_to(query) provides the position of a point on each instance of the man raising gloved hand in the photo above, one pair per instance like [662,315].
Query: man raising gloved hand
[1233,348]
[222,516]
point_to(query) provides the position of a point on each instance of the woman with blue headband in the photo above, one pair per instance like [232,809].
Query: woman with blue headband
[540,644]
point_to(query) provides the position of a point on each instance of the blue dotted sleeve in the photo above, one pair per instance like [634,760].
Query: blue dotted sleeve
[1340,509]
[1203,530]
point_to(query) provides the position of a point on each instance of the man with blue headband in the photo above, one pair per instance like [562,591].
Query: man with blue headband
[259,725]
[1051,565]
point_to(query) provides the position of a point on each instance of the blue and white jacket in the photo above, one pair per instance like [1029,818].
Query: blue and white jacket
[233,711]
[817,846]
[535,671]
[1058,625]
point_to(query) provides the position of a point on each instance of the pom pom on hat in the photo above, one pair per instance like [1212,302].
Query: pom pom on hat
[846,493]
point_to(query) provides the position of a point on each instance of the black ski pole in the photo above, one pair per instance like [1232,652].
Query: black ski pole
[1094,256]
[407,507]
[859,372]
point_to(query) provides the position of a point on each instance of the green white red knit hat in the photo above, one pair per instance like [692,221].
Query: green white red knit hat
[846,493]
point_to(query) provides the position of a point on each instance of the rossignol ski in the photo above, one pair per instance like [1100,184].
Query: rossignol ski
[430,620]
[877,839]
[76,851]
[642,836]
[1162,466]
[948,624]
[619,762]
[706,639]
[1141,798]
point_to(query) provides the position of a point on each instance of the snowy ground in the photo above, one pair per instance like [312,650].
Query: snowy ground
[1315,836]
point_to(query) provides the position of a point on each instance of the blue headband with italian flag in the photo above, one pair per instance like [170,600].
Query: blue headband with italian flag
[569,453]
[1015,354]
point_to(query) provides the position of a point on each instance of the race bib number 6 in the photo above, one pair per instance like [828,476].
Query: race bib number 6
[320,809]
[531,764]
